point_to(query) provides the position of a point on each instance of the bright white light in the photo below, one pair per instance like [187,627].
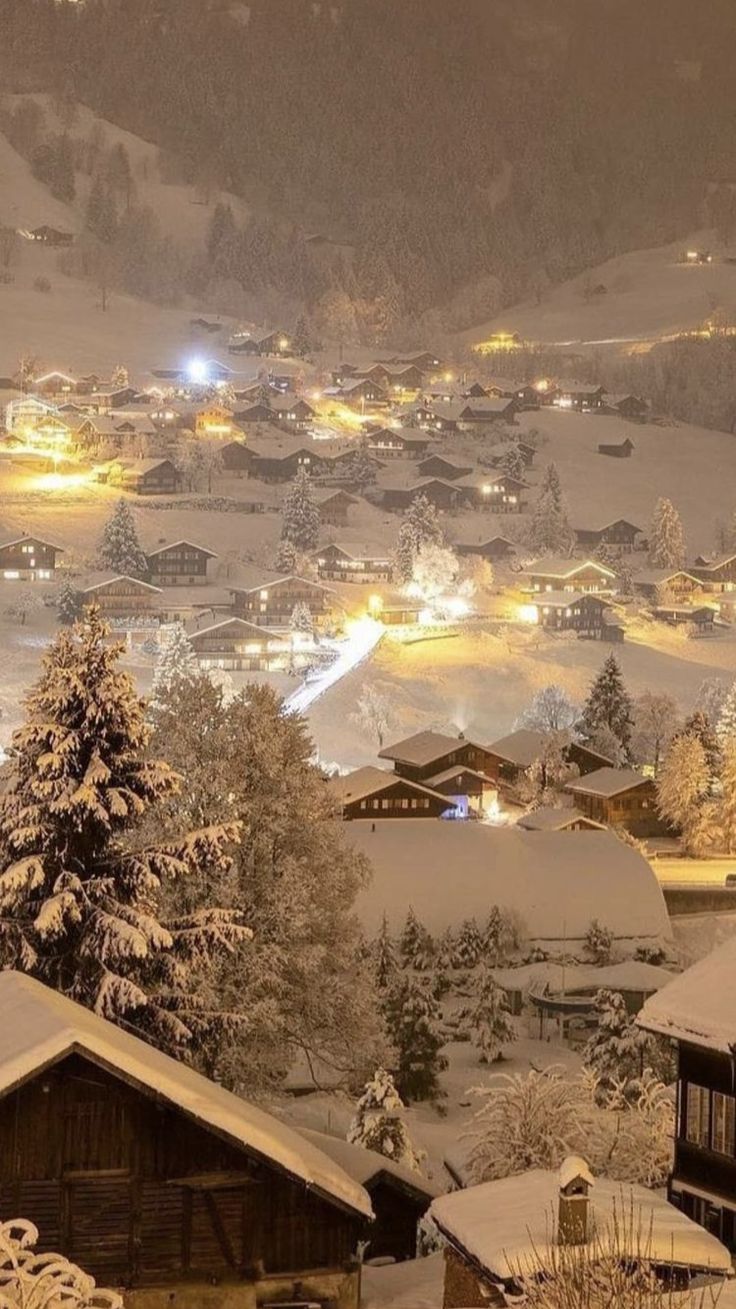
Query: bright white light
[197,371]
[528,613]
[455,606]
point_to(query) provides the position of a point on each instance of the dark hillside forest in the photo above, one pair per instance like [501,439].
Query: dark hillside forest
[508,143]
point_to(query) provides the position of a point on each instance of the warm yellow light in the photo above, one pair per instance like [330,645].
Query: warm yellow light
[542,385]
[528,614]
[447,377]
[283,343]
[375,604]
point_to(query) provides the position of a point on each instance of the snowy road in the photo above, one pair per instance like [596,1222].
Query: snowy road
[361,642]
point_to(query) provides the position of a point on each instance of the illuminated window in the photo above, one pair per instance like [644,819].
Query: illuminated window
[11,575]
[697,1121]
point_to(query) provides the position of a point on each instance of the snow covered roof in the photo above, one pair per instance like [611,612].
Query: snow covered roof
[520,748]
[556,883]
[174,545]
[422,748]
[364,1165]
[349,787]
[656,576]
[359,550]
[564,566]
[629,975]
[607,782]
[550,819]
[255,631]
[698,1006]
[268,584]
[573,1167]
[508,1226]
[40,1027]
[105,579]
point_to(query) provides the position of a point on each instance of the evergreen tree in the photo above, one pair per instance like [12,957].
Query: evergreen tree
[421,525]
[176,659]
[599,942]
[120,549]
[512,462]
[360,469]
[301,342]
[301,985]
[615,1051]
[286,558]
[379,1124]
[549,529]
[608,705]
[68,603]
[385,961]
[412,1017]
[666,538]
[415,946]
[101,215]
[301,619]
[468,946]
[80,894]
[700,726]
[490,1019]
[300,515]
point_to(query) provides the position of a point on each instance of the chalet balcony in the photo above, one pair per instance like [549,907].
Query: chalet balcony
[705,1169]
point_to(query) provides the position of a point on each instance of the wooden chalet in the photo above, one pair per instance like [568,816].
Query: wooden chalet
[700,617]
[437,466]
[145,476]
[674,583]
[633,407]
[256,412]
[696,1011]
[445,496]
[716,575]
[583,399]
[266,343]
[455,767]
[392,443]
[361,393]
[352,563]
[237,458]
[509,757]
[282,461]
[28,559]
[243,647]
[294,413]
[333,504]
[550,819]
[423,359]
[566,574]
[569,611]
[400,1196]
[272,603]
[179,564]
[497,492]
[620,797]
[151,1176]
[215,420]
[494,549]
[377,793]
[122,597]
[617,449]
[620,534]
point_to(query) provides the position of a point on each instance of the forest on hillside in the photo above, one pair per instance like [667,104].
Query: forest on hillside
[442,144]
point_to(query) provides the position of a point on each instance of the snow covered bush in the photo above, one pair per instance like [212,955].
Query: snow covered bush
[598,942]
[44,1281]
[524,1121]
[379,1123]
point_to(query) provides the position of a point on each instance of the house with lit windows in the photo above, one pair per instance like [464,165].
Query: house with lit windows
[566,574]
[182,563]
[28,559]
[271,604]
[377,793]
[696,1011]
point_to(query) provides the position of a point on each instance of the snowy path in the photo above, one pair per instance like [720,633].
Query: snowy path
[361,642]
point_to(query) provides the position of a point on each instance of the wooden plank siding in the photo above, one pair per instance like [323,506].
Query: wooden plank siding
[139,1194]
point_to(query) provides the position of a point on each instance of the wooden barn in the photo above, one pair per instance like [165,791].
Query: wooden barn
[149,1175]
[617,449]
[400,1196]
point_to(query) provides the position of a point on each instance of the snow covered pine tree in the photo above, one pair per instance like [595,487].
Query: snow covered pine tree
[79,892]
[379,1124]
[120,549]
[176,660]
[300,520]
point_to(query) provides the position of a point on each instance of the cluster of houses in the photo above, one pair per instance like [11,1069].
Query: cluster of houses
[439,776]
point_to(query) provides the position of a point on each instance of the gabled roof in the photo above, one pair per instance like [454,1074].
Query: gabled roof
[564,567]
[698,1006]
[370,780]
[360,551]
[38,540]
[281,581]
[107,578]
[252,629]
[607,782]
[615,522]
[550,819]
[172,545]
[656,576]
[520,748]
[367,1166]
[41,1027]
[423,748]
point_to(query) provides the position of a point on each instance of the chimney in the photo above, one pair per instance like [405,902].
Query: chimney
[573,1215]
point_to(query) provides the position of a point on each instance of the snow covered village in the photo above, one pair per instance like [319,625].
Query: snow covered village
[367,655]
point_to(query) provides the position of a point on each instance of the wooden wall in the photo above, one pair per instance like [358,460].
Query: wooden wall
[100,1167]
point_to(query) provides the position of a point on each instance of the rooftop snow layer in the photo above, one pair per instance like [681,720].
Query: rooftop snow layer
[698,1006]
[41,1027]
